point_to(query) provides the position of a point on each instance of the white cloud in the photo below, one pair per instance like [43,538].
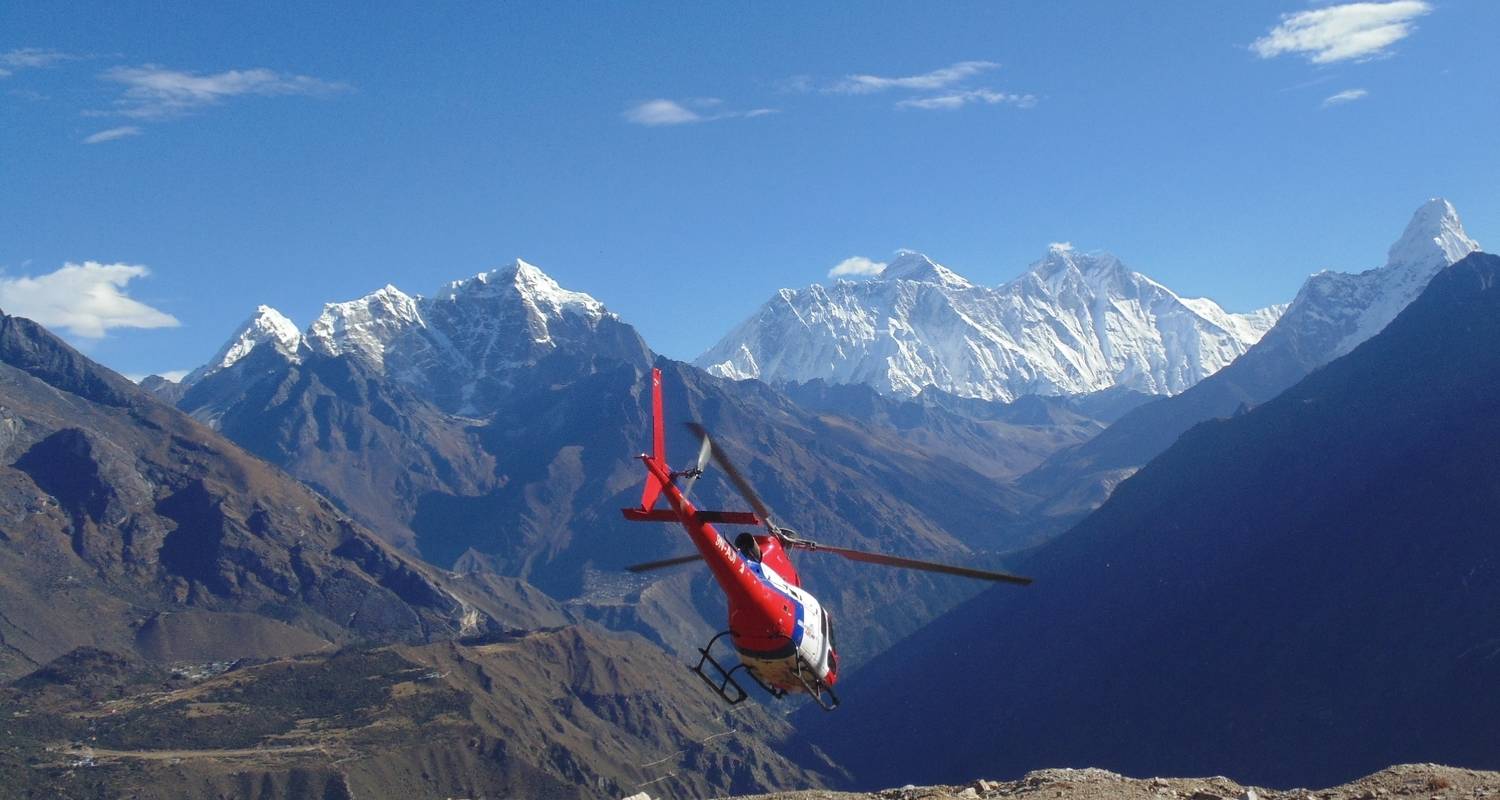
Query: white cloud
[1342,32]
[953,101]
[658,112]
[31,58]
[856,265]
[86,299]
[113,134]
[661,112]
[152,91]
[927,81]
[1346,96]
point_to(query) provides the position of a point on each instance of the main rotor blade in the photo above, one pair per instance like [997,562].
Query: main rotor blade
[735,476]
[926,566]
[666,562]
[704,452]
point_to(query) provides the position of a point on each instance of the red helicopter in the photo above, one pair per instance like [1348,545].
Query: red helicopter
[783,636]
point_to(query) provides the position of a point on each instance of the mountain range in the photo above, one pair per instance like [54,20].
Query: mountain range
[466,427]
[1073,323]
[522,474]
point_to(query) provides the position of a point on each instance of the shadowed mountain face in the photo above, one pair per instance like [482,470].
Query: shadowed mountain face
[999,440]
[125,524]
[534,489]
[1293,596]
[568,712]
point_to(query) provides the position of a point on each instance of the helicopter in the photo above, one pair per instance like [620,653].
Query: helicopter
[782,635]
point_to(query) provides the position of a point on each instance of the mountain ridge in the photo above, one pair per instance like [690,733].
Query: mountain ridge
[1323,322]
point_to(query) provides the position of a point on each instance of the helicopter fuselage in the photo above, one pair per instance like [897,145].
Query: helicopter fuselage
[782,633]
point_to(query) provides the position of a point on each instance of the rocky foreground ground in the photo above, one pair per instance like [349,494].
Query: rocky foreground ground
[1403,781]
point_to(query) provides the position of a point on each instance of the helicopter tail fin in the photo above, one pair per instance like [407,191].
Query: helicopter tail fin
[658,444]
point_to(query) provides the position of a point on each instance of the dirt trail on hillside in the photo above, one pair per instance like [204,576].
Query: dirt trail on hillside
[1404,781]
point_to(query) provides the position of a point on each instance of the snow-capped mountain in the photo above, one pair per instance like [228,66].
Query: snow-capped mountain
[1336,311]
[266,326]
[454,348]
[1073,323]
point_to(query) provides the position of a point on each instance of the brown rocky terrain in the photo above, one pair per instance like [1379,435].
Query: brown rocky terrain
[570,712]
[1402,781]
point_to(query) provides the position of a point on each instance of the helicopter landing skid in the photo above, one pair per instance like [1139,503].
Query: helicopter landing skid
[814,686]
[724,681]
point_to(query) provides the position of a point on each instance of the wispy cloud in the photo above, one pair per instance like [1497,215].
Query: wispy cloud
[956,100]
[659,112]
[31,58]
[1342,32]
[945,89]
[1346,96]
[927,81]
[113,134]
[153,92]
[85,299]
[856,265]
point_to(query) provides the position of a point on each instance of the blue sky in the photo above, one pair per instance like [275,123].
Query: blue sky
[682,162]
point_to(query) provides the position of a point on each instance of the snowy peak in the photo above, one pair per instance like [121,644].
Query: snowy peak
[267,327]
[909,265]
[1336,311]
[365,327]
[1064,266]
[534,287]
[1435,236]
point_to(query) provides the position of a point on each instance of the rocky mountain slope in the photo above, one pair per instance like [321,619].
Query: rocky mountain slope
[125,524]
[1296,595]
[1333,313]
[1404,780]
[1073,323]
[568,712]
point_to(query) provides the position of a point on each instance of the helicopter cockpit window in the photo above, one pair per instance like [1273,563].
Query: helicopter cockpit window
[747,545]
